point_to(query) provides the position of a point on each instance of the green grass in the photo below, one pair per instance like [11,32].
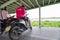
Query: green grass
[34,23]
[46,23]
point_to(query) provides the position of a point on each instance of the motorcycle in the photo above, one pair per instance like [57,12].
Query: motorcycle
[15,27]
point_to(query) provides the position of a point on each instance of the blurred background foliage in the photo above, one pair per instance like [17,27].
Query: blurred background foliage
[46,23]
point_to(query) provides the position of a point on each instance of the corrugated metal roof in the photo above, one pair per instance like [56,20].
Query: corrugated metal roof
[29,4]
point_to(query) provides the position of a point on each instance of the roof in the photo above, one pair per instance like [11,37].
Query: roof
[29,4]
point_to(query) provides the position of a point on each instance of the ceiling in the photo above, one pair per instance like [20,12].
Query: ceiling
[29,4]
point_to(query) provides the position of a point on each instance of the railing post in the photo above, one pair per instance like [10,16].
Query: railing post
[39,17]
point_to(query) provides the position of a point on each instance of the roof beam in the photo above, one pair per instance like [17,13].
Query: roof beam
[18,3]
[13,7]
[37,3]
[21,4]
[8,7]
[25,7]
[1,2]
[43,2]
[49,1]
[31,3]
[55,1]
[10,10]
[25,4]
[7,3]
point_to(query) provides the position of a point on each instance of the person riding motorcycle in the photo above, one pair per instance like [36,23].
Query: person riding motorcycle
[20,14]
[3,18]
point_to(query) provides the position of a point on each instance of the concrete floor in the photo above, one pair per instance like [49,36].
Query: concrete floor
[38,34]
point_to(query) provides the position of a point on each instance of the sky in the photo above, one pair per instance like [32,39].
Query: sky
[51,11]
[47,11]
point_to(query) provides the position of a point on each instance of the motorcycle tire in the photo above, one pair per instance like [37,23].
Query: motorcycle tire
[12,34]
